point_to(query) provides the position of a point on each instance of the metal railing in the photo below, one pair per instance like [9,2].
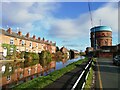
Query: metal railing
[80,83]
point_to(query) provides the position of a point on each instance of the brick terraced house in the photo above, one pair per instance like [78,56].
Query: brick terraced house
[24,42]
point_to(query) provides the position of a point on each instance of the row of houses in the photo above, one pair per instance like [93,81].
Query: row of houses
[24,42]
[23,73]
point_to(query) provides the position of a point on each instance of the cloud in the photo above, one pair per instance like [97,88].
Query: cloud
[71,45]
[24,14]
[80,26]
[37,16]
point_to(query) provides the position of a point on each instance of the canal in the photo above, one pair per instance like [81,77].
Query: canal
[12,74]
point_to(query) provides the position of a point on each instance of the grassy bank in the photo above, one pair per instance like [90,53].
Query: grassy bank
[43,81]
[90,76]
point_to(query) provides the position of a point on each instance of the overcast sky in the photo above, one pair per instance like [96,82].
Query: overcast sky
[66,23]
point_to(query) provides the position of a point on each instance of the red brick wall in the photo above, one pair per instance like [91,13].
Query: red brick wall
[105,55]
[103,38]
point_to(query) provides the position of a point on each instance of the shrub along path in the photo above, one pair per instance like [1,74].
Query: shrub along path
[67,81]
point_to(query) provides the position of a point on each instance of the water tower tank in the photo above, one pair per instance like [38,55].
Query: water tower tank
[101,36]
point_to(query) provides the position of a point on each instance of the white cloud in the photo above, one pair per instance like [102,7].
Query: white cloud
[80,26]
[24,14]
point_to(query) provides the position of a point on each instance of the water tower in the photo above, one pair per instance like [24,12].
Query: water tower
[101,36]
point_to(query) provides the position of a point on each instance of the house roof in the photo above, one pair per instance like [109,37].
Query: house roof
[25,38]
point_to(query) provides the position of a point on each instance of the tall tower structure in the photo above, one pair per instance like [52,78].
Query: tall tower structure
[101,36]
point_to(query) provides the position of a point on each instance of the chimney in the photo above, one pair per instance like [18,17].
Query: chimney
[9,30]
[39,38]
[47,40]
[20,33]
[27,35]
[51,42]
[34,37]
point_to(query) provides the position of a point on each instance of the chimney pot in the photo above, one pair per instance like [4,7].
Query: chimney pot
[9,30]
[38,38]
[27,35]
[20,33]
[34,37]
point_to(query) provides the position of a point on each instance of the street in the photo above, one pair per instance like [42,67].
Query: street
[107,75]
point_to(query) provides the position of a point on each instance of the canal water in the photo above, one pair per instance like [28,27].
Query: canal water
[64,63]
[58,65]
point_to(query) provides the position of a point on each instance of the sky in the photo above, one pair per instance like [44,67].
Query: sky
[66,23]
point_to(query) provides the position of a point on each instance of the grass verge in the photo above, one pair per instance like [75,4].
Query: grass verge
[43,81]
[90,76]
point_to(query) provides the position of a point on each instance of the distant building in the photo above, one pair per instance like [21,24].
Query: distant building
[24,42]
[89,51]
[65,51]
[101,36]
[107,51]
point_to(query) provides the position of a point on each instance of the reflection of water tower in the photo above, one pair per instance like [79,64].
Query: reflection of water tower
[101,36]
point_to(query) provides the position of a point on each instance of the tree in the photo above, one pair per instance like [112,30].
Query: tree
[45,58]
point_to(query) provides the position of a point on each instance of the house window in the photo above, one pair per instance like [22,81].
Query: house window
[30,44]
[10,69]
[21,75]
[17,50]
[37,45]
[23,42]
[29,71]
[11,50]
[26,50]
[8,78]
[11,41]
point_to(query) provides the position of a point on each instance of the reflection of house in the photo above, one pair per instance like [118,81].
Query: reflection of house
[24,42]
[65,51]
[23,73]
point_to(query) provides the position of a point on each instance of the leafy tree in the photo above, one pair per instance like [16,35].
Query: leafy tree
[45,58]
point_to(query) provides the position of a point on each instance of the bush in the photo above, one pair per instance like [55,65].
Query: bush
[35,56]
[30,58]
[45,58]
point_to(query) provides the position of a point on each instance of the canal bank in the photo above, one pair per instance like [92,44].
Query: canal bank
[43,81]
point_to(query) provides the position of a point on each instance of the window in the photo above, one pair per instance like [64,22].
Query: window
[23,42]
[11,50]
[8,78]
[37,45]
[29,71]
[10,69]
[30,44]
[11,41]
[17,50]
[21,75]
[26,50]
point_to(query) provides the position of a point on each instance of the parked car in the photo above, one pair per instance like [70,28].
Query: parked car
[116,60]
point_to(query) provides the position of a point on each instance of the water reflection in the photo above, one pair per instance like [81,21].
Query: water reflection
[17,72]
